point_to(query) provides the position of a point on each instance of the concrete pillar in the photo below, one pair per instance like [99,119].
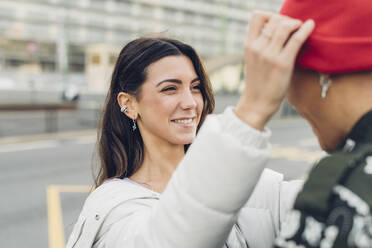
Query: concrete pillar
[100,60]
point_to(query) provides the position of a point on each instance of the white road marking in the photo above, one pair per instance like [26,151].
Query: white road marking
[86,140]
[45,144]
[28,146]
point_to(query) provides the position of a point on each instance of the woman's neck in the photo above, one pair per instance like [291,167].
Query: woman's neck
[160,161]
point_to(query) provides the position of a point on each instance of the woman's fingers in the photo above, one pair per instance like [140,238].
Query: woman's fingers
[268,30]
[274,33]
[256,24]
[296,41]
[285,27]
[269,60]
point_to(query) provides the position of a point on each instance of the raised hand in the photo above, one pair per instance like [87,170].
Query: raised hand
[270,51]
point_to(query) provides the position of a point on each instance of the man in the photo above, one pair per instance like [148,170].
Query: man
[332,88]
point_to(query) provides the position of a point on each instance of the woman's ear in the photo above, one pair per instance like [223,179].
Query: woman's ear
[128,101]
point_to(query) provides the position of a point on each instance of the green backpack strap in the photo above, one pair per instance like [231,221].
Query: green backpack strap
[330,171]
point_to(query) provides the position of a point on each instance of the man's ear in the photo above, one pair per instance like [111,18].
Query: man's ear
[125,99]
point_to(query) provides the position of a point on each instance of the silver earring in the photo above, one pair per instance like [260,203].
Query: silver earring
[134,127]
[325,81]
[123,109]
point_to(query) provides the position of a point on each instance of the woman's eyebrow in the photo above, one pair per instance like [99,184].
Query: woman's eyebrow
[195,80]
[177,81]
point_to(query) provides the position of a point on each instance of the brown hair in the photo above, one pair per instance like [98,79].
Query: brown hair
[121,149]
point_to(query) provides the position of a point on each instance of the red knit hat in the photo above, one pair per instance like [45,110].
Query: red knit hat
[342,38]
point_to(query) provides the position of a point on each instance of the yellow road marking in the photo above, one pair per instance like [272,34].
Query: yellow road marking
[74,188]
[311,142]
[55,224]
[295,154]
[55,221]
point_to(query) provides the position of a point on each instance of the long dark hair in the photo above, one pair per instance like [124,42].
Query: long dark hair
[120,149]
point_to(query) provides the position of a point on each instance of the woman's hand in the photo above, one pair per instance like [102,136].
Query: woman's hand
[270,52]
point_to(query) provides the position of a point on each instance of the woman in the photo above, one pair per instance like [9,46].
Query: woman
[158,99]
[149,194]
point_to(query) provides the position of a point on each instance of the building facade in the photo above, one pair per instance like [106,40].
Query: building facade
[52,35]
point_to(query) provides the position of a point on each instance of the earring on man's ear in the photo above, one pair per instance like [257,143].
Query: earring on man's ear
[325,81]
[124,109]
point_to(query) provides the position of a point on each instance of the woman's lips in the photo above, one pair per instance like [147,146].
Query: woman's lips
[186,122]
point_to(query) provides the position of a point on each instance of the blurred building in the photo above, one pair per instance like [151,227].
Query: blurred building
[53,35]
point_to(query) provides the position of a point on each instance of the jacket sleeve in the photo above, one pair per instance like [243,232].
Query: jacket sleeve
[261,218]
[288,193]
[201,202]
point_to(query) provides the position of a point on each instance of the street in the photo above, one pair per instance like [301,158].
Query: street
[44,182]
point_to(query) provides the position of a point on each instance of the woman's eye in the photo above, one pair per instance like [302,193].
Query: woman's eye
[168,88]
[196,87]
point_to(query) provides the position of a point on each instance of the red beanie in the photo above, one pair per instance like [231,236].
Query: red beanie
[342,38]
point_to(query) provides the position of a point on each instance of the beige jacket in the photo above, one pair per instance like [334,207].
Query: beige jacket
[218,184]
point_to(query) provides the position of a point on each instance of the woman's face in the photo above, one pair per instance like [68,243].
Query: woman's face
[170,102]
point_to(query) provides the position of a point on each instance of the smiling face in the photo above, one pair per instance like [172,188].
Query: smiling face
[170,103]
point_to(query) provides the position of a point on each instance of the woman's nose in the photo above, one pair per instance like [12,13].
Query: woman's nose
[188,100]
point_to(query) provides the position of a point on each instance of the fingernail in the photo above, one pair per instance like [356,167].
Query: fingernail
[310,22]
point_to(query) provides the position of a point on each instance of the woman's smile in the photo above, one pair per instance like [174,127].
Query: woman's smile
[185,122]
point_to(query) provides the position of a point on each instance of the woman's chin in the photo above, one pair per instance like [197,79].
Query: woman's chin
[184,140]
